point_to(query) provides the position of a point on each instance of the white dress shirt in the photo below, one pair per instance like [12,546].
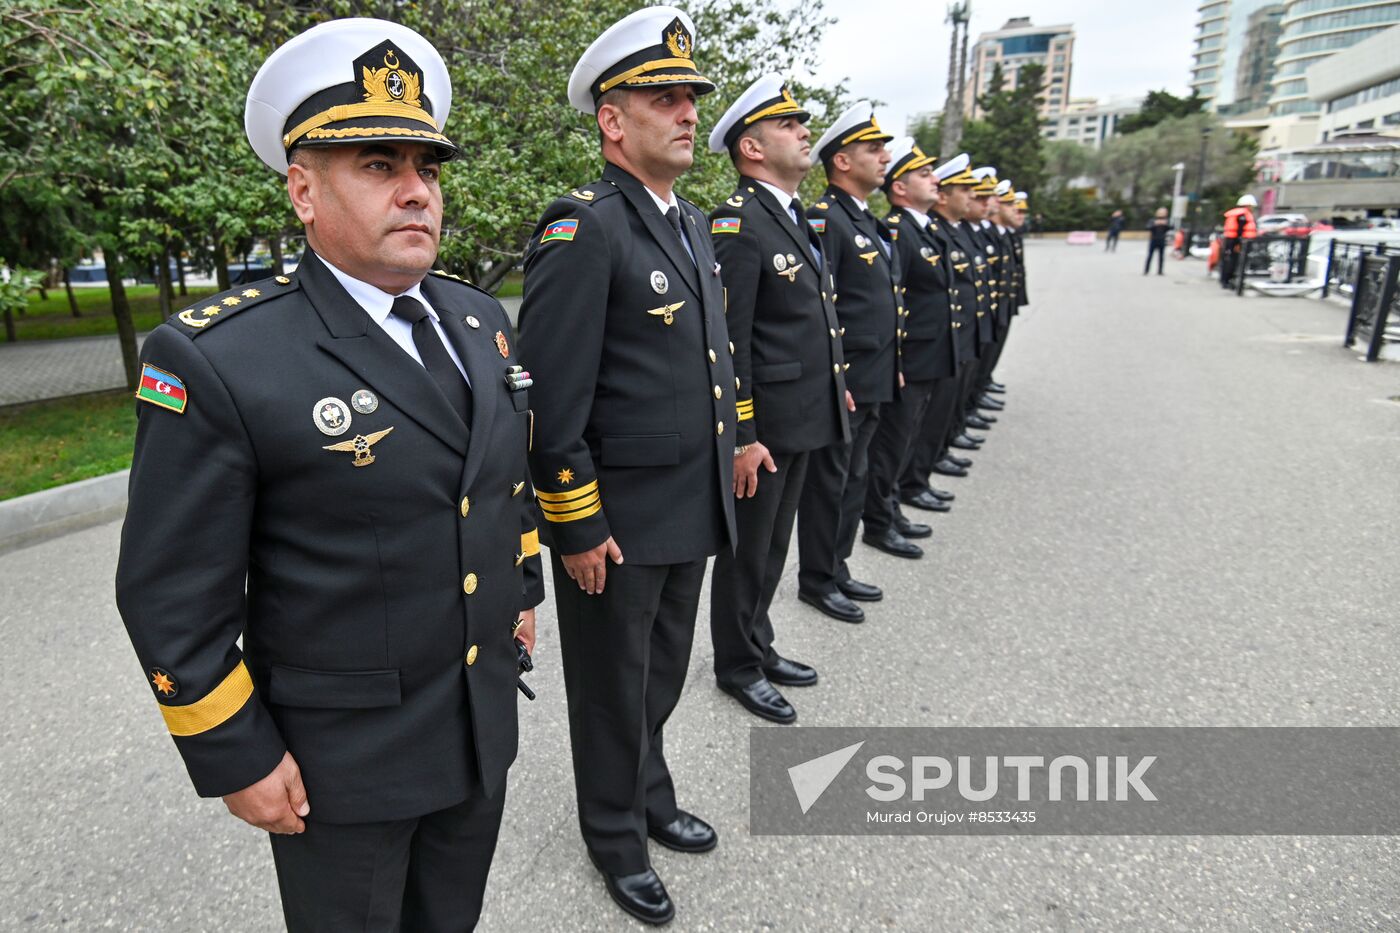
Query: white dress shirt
[919,216]
[379,304]
[664,207]
[784,198]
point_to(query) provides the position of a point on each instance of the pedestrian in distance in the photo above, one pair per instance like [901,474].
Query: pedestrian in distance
[1157,230]
[340,456]
[1116,223]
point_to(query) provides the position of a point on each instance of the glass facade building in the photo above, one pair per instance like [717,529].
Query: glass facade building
[1313,30]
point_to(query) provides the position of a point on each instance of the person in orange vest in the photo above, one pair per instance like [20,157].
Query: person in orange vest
[1239,226]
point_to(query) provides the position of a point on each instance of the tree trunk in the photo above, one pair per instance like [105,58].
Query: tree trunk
[163,284]
[121,311]
[274,243]
[221,264]
[494,276]
[43,291]
[180,269]
[9,325]
[72,298]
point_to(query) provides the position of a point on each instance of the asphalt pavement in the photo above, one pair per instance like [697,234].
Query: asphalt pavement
[1185,517]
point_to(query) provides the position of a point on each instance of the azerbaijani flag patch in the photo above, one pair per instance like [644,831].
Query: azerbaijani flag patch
[560,230]
[818,224]
[725,225]
[162,389]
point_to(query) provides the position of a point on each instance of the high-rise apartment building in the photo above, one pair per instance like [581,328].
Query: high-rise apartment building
[1234,55]
[1014,45]
[1314,30]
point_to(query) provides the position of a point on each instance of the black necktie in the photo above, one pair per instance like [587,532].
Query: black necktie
[885,247]
[806,229]
[436,360]
[673,216]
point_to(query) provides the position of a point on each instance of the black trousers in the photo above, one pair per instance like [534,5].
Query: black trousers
[744,582]
[931,439]
[416,875]
[1229,256]
[1161,250]
[831,503]
[970,388]
[890,453]
[625,653]
[987,362]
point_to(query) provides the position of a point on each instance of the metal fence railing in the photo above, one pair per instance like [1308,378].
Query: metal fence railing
[1275,257]
[1375,304]
[1343,264]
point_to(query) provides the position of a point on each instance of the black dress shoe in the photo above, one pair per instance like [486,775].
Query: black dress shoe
[943,494]
[996,388]
[864,592]
[974,438]
[913,530]
[989,403]
[926,500]
[687,832]
[949,468]
[790,673]
[963,442]
[642,895]
[763,700]
[959,461]
[892,542]
[978,422]
[835,605]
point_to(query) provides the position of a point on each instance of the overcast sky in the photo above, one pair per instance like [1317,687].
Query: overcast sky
[1122,47]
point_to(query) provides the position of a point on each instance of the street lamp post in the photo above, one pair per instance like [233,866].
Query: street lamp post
[1200,186]
[1178,215]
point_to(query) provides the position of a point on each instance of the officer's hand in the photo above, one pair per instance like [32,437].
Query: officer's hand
[526,632]
[590,569]
[850,401]
[276,803]
[901,380]
[746,469]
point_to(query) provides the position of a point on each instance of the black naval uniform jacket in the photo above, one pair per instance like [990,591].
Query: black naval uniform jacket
[860,254]
[634,405]
[964,285]
[787,339]
[1006,277]
[974,251]
[374,601]
[933,316]
[1020,249]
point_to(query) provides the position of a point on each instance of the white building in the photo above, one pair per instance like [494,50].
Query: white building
[1234,53]
[1089,121]
[1016,44]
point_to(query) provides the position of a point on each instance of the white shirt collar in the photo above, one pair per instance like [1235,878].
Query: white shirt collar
[863,205]
[663,206]
[376,302]
[921,217]
[784,199]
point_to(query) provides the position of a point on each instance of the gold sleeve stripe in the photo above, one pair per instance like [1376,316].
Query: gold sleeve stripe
[214,708]
[567,495]
[530,543]
[561,508]
[745,407]
[574,516]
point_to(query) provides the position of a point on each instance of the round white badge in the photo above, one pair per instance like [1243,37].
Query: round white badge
[332,416]
[861,241]
[659,283]
[364,401]
[779,262]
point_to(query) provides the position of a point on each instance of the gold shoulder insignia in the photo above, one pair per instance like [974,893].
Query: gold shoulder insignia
[822,205]
[892,219]
[736,201]
[582,195]
[224,305]
[444,274]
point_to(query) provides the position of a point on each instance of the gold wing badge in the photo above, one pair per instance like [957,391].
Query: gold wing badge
[360,446]
[869,257]
[667,313]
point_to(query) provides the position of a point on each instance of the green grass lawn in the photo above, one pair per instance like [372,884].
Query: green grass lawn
[50,443]
[51,319]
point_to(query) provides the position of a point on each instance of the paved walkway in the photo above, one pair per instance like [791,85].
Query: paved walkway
[31,370]
[1185,516]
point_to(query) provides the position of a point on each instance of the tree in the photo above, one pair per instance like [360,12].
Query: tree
[1136,169]
[1008,136]
[1159,106]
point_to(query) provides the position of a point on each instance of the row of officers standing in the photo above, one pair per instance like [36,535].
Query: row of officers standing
[339,663]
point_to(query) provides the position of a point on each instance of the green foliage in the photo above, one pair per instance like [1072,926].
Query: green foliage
[61,441]
[928,133]
[1072,209]
[1159,106]
[1008,134]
